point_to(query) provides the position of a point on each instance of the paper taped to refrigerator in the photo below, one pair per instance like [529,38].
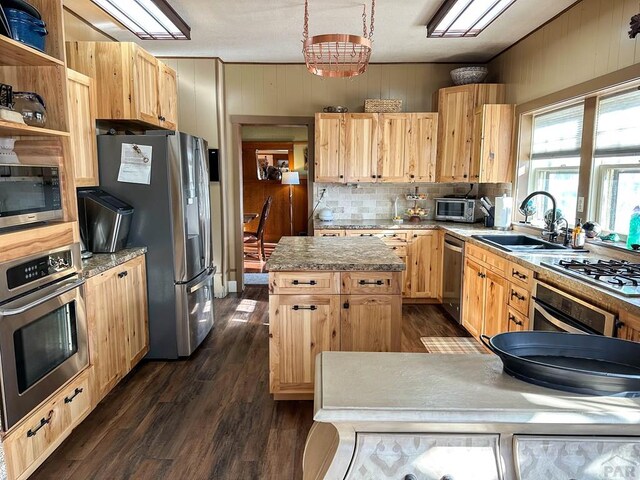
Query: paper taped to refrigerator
[135,164]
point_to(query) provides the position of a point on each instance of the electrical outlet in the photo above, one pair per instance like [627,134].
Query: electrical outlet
[580,204]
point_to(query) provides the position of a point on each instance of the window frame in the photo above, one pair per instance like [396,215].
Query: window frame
[598,186]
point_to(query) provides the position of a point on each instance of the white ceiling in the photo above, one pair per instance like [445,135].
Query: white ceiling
[271,30]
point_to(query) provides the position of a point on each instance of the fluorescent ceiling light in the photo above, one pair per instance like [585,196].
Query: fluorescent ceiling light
[465,18]
[147,19]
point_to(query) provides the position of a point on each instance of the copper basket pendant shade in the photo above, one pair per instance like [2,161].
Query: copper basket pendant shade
[338,55]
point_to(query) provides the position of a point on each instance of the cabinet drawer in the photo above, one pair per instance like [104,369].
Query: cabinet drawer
[425,456]
[361,233]
[329,233]
[519,299]
[584,458]
[517,321]
[393,238]
[29,444]
[365,283]
[304,282]
[400,250]
[520,275]
[495,262]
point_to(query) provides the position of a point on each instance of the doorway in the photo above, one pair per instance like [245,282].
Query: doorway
[274,165]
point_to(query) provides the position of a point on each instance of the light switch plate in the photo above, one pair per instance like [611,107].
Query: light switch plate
[580,204]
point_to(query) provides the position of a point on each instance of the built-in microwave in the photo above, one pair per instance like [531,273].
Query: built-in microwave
[465,210]
[29,194]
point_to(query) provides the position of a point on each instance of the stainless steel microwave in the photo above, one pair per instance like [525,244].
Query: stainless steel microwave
[465,210]
[29,194]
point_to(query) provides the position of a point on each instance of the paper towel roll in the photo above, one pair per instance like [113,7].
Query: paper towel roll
[504,207]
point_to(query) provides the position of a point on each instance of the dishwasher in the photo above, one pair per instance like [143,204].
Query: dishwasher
[452,276]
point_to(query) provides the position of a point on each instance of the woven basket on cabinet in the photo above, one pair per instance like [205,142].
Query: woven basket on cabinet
[377,105]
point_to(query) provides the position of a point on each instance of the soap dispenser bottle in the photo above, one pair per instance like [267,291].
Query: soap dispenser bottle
[634,228]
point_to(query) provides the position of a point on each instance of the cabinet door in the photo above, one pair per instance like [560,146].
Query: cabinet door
[473,297]
[394,147]
[300,327]
[371,323]
[425,254]
[493,139]
[168,96]
[82,125]
[422,154]
[630,327]
[132,286]
[145,86]
[106,331]
[329,147]
[496,319]
[360,158]
[455,130]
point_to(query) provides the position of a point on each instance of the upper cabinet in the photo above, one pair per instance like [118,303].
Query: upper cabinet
[371,147]
[492,143]
[132,85]
[457,108]
[82,122]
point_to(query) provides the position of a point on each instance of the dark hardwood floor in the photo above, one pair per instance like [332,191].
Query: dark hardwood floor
[209,417]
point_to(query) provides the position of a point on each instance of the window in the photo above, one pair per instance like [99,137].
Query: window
[554,165]
[616,174]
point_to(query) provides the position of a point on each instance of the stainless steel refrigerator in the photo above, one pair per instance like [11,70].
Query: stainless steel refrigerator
[172,217]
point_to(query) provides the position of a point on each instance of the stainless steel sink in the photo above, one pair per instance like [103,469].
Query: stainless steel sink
[526,244]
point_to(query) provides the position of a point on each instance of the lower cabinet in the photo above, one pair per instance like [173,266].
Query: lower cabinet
[473,298]
[360,312]
[116,302]
[629,327]
[38,435]
[406,456]
[424,265]
[495,304]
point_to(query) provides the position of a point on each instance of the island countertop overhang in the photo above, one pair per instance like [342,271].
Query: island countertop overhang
[340,254]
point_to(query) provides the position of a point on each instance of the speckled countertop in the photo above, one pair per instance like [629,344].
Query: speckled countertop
[101,262]
[602,297]
[334,254]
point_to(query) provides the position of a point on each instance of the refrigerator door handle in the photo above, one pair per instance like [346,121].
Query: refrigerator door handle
[203,282]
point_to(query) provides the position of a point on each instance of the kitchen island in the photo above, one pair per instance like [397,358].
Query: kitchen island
[329,294]
[408,416]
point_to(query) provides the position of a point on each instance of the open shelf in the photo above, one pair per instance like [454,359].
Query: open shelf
[17,54]
[10,129]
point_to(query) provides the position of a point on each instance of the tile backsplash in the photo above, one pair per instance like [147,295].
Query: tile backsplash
[375,201]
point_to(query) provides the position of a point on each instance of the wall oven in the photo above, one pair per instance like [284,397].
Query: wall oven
[43,331]
[29,194]
[556,311]
[465,210]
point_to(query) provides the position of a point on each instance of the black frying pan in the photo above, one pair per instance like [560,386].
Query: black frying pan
[588,364]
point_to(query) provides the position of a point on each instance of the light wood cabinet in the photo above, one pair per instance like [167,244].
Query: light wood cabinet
[424,261]
[40,433]
[329,233]
[116,302]
[456,111]
[473,298]
[492,144]
[132,85]
[371,323]
[423,151]
[394,141]
[329,146]
[360,156]
[517,321]
[81,93]
[495,304]
[629,327]
[300,327]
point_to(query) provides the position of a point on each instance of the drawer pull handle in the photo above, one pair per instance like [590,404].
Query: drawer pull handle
[513,319]
[516,273]
[123,274]
[300,307]
[366,234]
[522,298]
[298,282]
[43,422]
[76,392]
[371,282]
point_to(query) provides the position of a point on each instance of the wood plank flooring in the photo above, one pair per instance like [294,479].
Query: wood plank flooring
[209,417]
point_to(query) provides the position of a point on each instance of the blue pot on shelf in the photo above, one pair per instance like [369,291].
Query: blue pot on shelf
[26,28]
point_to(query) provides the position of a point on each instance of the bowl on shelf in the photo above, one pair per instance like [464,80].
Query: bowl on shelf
[467,75]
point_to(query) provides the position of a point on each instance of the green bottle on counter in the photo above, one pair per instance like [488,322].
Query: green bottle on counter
[634,228]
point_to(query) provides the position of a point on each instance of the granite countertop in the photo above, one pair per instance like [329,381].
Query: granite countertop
[333,254]
[444,388]
[101,262]
[606,298]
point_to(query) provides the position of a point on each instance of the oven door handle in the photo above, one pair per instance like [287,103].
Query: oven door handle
[563,322]
[6,312]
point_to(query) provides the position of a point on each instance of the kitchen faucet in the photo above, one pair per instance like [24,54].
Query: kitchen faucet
[553,234]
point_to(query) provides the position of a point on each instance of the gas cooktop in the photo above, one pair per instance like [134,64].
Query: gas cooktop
[616,275]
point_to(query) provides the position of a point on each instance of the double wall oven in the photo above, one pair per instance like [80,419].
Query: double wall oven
[43,330]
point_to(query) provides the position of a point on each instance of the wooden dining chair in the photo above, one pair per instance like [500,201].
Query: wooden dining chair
[257,237]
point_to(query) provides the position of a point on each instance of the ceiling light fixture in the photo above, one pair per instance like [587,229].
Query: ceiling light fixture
[147,19]
[465,18]
[338,55]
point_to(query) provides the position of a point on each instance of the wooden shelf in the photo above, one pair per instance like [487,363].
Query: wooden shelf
[15,129]
[17,54]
